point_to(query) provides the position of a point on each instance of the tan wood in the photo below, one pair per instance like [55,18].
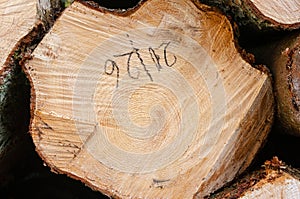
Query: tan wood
[279,11]
[16,20]
[155,102]
[274,180]
[285,187]
[261,15]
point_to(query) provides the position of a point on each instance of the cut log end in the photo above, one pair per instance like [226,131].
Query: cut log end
[275,180]
[14,26]
[282,13]
[261,16]
[143,104]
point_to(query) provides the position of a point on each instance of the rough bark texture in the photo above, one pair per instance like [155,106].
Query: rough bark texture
[47,10]
[14,26]
[261,15]
[144,102]
[19,34]
[274,180]
[282,56]
[14,86]
[286,67]
[284,186]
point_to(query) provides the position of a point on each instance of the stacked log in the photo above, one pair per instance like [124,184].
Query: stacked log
[20,32]
[154,101]
[273,180]
[151,100]
[261,15]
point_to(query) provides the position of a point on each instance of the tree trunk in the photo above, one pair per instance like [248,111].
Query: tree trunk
[17,18]
[282,56]
[276,180]
[281,185]
[47,11]
[286,69]
[154,102]
[19,34]
[263,15]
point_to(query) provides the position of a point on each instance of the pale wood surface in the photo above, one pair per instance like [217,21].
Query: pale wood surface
[280,11]
[155,103]
[273,180]
[267,15]
[283,187]
[17,18]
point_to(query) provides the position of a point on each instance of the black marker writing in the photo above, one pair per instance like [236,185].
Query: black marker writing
[113,65]
[135,51]
[110,66]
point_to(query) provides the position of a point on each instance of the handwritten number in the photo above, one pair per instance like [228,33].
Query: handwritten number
[135,52]
[142,62]
[155,58]
[114,67]
[165,55]
[128,64]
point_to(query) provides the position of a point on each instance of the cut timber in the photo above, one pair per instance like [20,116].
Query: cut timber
[16,20]
[155,102]
[284,186]
[282,56]
[283,14]
[279,12]
[286,68]
[275,181]
[20,31]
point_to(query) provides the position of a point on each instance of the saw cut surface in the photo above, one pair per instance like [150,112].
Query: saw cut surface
[285,186]
[154,103]
[145,95]
[280,11]
[17,18]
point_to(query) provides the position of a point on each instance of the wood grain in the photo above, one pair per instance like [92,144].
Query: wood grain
[261,16]
[279,11]
[152,103]
[17,18]
[285,186]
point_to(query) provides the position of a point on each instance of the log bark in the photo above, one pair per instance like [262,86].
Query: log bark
[139,104]
[282,56]
[16,21]
[263,15]
[284,185]
[20,31]
[275,180]
[286,69]
[48,10]
[19,17]
[14,26]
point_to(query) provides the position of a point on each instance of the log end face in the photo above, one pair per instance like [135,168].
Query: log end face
[279,14]
[152,106]
[287,88]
